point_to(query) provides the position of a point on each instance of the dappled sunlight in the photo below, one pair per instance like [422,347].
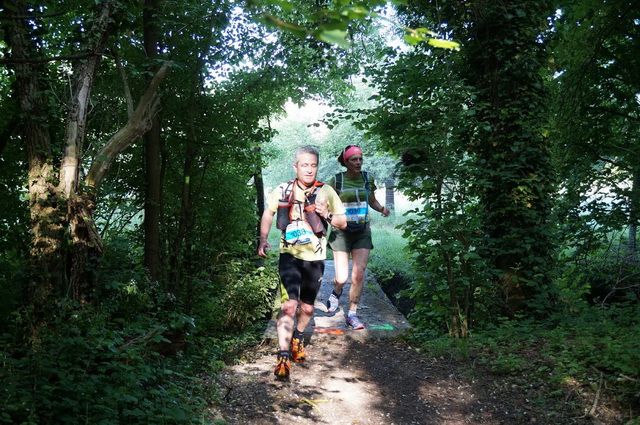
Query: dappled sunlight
[359,377]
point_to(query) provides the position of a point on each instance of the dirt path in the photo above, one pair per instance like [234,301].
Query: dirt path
[370,377]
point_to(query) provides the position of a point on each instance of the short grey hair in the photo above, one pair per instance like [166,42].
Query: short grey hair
[307,149]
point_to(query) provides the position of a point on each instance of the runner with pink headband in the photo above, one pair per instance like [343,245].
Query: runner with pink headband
[357,192]
[349,151]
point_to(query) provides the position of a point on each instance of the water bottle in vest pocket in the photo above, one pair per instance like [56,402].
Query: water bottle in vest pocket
[282,219]
[318,224]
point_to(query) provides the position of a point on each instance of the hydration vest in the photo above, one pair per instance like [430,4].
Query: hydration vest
[360,208]
[306,209]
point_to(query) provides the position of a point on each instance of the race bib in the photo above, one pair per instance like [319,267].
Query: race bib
[298,233]
[356,211]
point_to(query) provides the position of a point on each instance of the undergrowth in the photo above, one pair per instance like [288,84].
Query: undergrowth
[574,357]
[86,369]
[133,358]
[583,351]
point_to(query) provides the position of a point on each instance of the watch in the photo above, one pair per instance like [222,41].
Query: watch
[330,216]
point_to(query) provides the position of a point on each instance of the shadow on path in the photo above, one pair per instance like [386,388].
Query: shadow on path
[381,318]
[371,377]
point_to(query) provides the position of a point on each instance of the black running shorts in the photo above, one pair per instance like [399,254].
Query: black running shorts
[301,279]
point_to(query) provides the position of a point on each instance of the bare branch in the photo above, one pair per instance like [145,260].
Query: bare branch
[127,90]
[138,124]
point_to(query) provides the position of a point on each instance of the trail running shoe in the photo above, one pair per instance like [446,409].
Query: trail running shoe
[354,322]
[333,302]
[297,350]
[283,367]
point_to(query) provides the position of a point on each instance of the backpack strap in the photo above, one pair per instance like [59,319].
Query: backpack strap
[365,176]
[312,195]
[287,193]
[339,182]
[339,186]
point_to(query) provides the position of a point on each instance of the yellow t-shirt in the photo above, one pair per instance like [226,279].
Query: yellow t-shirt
[315,250]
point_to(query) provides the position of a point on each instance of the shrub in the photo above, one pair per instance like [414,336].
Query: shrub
[86,368]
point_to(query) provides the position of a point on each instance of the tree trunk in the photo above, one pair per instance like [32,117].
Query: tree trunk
[86,247]
[153,201]
[78,105]
[47,209]
[634,216]
[260,199]
[86,240]
[177,254]
[138,124]
[506,60]
[633,234]
[153,161]
[87,243]
[54,197]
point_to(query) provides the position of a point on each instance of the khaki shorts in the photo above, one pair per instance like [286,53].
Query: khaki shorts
[342,241]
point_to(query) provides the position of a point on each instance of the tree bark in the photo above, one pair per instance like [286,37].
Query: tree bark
[137,125]
[78,106]
[153,161]
[260,199]
[47,222]
[86,240]
[634,214]
[177,254]
[85,236]
[57,203]
[86,245]
[179,257]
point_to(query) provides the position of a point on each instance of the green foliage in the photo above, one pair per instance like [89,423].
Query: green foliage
[87,368]
[601,277]
[453,281]
[330,129]
[335,22]
[444,234]
[597,123]
[471,128]
[103,364]
[472,148]
[234,297]
[572,348]
[593,353]
[226,297]
[14,218]
[514,180]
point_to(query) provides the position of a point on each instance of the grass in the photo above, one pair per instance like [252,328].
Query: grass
[389,247]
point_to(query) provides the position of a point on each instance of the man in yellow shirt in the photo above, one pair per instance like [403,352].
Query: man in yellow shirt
[304,208]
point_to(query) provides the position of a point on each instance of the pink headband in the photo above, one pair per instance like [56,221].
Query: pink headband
[353,150]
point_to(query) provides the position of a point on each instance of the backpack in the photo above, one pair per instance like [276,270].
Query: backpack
[340,182]
[353,227]
[287,203]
